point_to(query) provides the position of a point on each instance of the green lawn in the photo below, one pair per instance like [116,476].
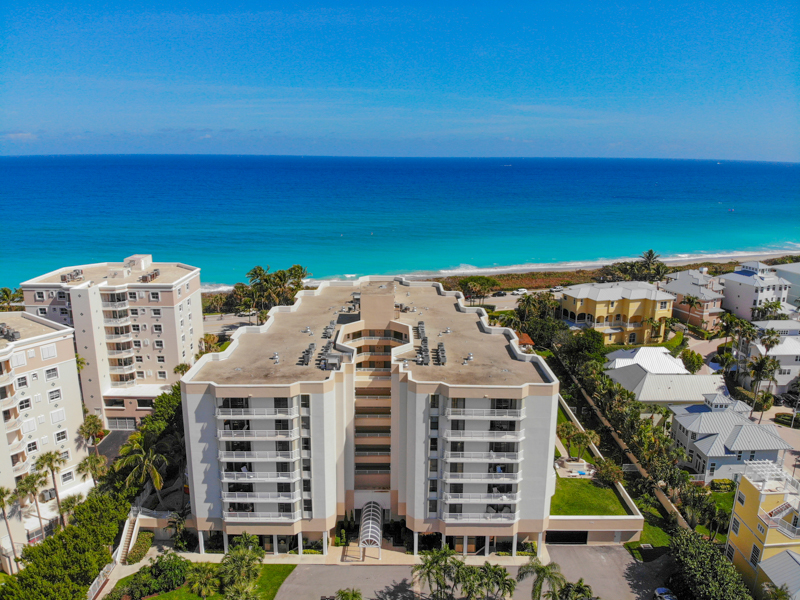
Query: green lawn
[654,534]
[270,580]
[724,500]
[584,497]
[562,417]
[224,345]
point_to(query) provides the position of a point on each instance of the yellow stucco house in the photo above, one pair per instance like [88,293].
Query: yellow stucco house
[764,522]
[621,311]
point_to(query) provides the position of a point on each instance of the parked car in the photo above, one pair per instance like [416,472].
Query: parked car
[664,594]
[557,288]
[519,292]
[499,294]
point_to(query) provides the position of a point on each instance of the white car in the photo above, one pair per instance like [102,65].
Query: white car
[519,292]
[557,288]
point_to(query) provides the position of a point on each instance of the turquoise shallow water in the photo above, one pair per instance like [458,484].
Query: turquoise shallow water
[355,216]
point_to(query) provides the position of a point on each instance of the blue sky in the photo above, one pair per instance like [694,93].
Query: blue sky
[595,78]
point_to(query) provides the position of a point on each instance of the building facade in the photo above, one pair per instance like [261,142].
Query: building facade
[707,289]
[378,391]
[40,398]
[790,273]
[625,312]
[764,521]
[134,322]
[753,284]
[787,353]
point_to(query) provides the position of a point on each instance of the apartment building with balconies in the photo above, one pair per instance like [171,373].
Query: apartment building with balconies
[40,399]
[134,322]
[753,284]
[765,520]
[625,312]
[380,395]
[707,289]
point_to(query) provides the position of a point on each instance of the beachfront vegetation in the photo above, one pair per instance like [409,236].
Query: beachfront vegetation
[703,571]
[11,299]
[263,291]
[585,497]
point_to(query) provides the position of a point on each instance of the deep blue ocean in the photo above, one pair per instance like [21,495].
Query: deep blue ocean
[355,216]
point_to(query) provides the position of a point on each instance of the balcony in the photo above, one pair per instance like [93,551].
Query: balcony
[226,413]
[479,457]
[13,424]
[262,496]
[586,323]
[9,401]
[483,477]
[122,369]
[255,476]
[258,434]
[6,377]
[272,455]
[123,384]
[121,353]
[119,321]
[489,436]
[511,498]
[116,305]
[22,467]
[485,413]
[479,517]
[367,453]
[120,337]
[234,517]
[785,527]
[384,434]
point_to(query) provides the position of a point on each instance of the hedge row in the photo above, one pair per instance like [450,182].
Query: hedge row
[143,542]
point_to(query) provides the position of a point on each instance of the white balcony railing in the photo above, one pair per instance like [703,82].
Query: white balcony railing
[778,523]
[373,416]
[126,352]
[379,369]
[374,434]
[480,517]
[372,471]
[262,516]
[117,305]
[483,456]
[487,477]
[266,455]
[13,424]
[21,467]
[258,434]
[511,436]
[123,384]
[120,337]
[510,498]
[485,413]
[262,496]
[252,476]
[6,377]
[122,369]
[225,413]
[117,321]
[381,453]
[9,401]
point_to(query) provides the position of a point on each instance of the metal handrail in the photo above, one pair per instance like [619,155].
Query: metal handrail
[123,304]
[119,336]
[372,471]
[129,383]
[259,476]
[777,523]
[261,516]
[387,434]
[121,352]
[256,412]
[373,453]
[117,321]
[13,424]
[273,496]
[466,456]
[500,498]
[373,416]
[258,433]
[480,516]
[485,412]
[263,455]
[500,435]
[510,477]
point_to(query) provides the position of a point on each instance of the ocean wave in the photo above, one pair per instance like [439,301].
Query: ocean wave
[214,288]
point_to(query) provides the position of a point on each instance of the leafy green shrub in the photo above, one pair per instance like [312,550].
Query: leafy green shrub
[608,472]
[700,332]
[704,569]
[143,542]
[165,573]
[739,393]
[722,485]
[519,553]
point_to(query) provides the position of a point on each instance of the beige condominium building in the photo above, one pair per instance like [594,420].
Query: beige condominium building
[134,322]
[381,397]
[41,402]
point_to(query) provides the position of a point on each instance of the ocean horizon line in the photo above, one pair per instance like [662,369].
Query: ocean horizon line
[792,248]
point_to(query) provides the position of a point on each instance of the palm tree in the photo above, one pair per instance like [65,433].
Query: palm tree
[773,592]
[765,401]
[692,302]
[659,271]
[242,589]
[263,315]
[576,591]
[584,439]
[69,504]
[209,343]
[349,594]
[80,362]
[202,579]
[469,579]
[566,432]
[29,486]
[769,340]
[757,369]
[649,260]
[726,361]
[144,456]
[181,369]
[9,297]
[729,324]
[549,575]
[91,427]
[94,466]
[6,500]
[52,462]
[436,568]
[496,581]
[241,564]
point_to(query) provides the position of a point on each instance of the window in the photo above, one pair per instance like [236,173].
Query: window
[64,311]
[162,374]
[48,351]
[761,529]
[61,436]
[53,395]
[51,374]
[739,455]
[139,358]
[433,465]
[157,328]
[183,338]
[158,344]
[752,455]
[139,374]
[65,455]
[181,322]
[432,506]
[57,416]
[187,288]
[434,445]
[22,382]
[433,486]
[134,312]
[663,305]
[740,498]
[735,526]
[155,296]
[179,292]
[24,404]
[42,311]
[18,360]
[32,447]
[136,328]
[755,554]
[161,359]
[67,477]
[434,400]
[40,295]
[156,312]
[29,426]
[132,296]
[434,423]
[137,343]
[144,403]
[729,552]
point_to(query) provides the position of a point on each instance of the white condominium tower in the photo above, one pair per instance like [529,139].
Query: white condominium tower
[41,402]
[134,322]
[380,397]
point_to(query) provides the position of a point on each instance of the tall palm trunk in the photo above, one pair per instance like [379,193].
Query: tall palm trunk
[58,499]
[10,539]
[39,514]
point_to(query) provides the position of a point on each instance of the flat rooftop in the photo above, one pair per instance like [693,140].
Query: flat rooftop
[98,273]
[251,363]
[27,325]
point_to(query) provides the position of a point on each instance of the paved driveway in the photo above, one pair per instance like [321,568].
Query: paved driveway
[610,570]
[111,444]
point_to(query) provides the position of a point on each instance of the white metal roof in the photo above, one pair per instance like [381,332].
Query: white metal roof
[784,569]
[729,431]
[652,359]
[633,290]
[657,387]
[371,532]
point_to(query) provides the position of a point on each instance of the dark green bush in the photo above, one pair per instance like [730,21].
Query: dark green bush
[143,542]
[739,393]
[722,485]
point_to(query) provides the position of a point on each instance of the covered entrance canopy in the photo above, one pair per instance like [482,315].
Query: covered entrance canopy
[371,532]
